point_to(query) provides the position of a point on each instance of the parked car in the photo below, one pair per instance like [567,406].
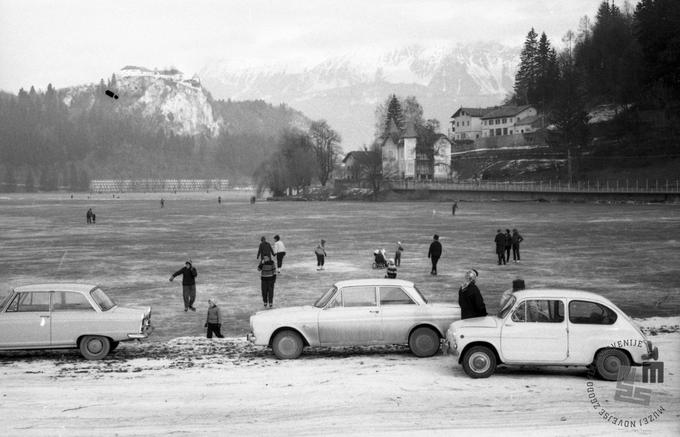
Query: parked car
[357,312]
[52,316]
[551,327]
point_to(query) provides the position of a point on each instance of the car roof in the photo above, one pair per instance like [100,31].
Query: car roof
[83,288]
[374,282]
[561,292]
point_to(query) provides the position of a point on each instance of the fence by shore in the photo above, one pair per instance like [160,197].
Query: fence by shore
[157,185]
[665,186]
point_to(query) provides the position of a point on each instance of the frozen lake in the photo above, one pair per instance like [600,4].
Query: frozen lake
[629,253]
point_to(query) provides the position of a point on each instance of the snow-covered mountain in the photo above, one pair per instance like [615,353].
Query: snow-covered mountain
[345,90]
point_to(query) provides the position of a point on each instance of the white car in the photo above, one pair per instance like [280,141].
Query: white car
[82,316]
[357,312]
[551,327]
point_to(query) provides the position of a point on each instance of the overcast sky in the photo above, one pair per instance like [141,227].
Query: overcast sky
[68,42]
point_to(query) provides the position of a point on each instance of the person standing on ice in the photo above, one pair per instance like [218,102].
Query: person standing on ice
[189,274]
[434,253]
[470,298]
[500,246]
[267,270]
[265,249]
[280,252]
[214,320]
[321,255]
[516,239]
[397,254]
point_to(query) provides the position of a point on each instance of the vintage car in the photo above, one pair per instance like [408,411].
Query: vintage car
[52,316]
[357,312]
[551,327]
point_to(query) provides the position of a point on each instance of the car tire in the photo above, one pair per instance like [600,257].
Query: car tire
[424,342]
[479,362]
[609,361]
[287,345]
[94,347]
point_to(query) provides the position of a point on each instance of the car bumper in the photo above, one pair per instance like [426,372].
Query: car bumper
[654,354]
[251,337]
[140,335]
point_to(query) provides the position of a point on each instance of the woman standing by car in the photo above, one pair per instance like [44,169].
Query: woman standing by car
[470,298]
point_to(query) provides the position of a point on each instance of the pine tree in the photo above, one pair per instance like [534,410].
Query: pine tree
[393,113]
[526,77]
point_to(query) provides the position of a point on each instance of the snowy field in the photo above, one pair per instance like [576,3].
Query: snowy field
[180,383]
[629,253]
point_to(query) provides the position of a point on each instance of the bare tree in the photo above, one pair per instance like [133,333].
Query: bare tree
[325,142]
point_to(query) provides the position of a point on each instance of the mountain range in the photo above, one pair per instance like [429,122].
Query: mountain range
[346,89]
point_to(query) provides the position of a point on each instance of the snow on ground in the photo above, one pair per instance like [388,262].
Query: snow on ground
[196,386]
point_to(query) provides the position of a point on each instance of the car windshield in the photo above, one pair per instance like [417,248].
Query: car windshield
[103,300]
[4,296]
[420,294]
[323,300]
[507,307]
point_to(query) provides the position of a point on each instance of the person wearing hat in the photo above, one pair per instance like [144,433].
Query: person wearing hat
[397,254]
[517,285]
[434,253]
[189,274]
[470,298]
[214,320]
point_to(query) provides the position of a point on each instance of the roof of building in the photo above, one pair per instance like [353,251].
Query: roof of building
[506,111]
[410,131]
[472,112]
[527,121]
[359,155]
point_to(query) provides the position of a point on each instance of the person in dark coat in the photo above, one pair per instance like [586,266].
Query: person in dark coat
[265,249]
[397,254]
[500,246]
[267,270]
[214,320]
[434,253]
[516,239]
[508,245]
[470,298]
[189,274]
[88,216]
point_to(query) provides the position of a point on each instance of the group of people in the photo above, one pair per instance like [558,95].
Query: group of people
[506,242]
[470,298]
[90,217]
[268,269]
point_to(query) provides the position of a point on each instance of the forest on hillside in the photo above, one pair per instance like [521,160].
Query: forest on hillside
[47,145]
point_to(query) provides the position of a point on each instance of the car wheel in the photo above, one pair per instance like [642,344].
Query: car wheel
[609,361]
[94,347]
[114,345]
[424,342]
[287,345]
[479,362]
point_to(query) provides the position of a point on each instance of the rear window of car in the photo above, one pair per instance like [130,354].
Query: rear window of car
[4,297]
[590,313]
[394,296]
[70,301]
[103,300]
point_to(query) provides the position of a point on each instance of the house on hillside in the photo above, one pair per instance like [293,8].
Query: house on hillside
[404,158]
[466,123]
[354,164]
[506,120]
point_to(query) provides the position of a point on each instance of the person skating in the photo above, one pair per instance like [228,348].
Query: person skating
[189,274]
[267,270]
[434,253]
[88,216]
[470,298]
[214,320]
[500,246]
[516,239]
[321,255]
[280,252]
[265,249]
[508,245]
[391,270]
[397,254]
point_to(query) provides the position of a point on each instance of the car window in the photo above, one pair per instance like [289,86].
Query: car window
[590,313]
[507,307]
[420,293]
[323,300]
[394,296]
[103,300]
[70,301]
[539,311]
[30,302]
[4,297]
[360,296]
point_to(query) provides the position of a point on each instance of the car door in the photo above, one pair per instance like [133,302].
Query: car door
[535,332]
[591,326]
[25,323]
[72,316]
[352,317]
[398,312]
